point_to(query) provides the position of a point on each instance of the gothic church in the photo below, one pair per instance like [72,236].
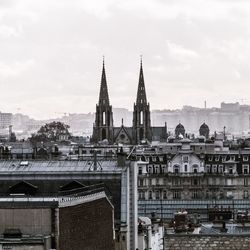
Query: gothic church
[141,129]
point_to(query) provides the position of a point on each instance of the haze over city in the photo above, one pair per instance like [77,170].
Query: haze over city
[51,53]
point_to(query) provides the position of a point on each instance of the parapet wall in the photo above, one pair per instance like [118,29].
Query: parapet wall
[207,242]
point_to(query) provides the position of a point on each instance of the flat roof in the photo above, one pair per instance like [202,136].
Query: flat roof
[18,166]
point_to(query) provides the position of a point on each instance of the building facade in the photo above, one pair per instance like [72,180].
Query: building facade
[195,175]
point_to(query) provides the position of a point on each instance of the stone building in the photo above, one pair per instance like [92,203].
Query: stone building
[191,174]
[141,129]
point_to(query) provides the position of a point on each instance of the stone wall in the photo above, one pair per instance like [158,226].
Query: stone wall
[207,242]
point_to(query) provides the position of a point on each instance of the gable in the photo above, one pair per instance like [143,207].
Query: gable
[123,136]
[192,159]
[23,187]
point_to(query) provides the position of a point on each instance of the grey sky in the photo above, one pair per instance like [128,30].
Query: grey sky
[51,53]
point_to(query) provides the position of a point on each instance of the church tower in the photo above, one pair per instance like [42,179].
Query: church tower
[141,114]
[103,126]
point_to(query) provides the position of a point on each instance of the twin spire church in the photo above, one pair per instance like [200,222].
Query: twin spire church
[141,129]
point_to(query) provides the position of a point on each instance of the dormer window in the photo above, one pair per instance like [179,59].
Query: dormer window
[245,169]
[245,158]
[185,158]
[176,169]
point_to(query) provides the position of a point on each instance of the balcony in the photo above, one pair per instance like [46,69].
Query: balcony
[184,174]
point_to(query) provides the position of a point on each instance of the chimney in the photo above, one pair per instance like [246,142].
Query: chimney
[121,158]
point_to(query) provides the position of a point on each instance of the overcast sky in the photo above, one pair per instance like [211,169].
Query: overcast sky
[51,53]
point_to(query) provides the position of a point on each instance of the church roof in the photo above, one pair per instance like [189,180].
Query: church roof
[103,96]
[179,126]
[204,126]
[141,92]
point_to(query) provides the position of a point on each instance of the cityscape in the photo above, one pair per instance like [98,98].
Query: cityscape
[128,151]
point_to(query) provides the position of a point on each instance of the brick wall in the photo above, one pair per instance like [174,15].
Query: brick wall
[207,242]
[87,226]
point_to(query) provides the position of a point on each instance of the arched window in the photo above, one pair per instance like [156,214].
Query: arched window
[108,118]
[141,117]
[104,136]
[176,169]
[195,168]
[103,118]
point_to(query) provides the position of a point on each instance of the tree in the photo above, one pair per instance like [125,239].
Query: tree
[54,131]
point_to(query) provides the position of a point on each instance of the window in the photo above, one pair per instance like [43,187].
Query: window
[157,195]
[245,169]
[149,169]
[208,168]
[140,170]
[141,195]
[141,117]
[150,182]
[185,168]
[185,158]
[156,169]
[176,169]
[220,168]
[164,194]
[245,182]
[221,195]
[232,157]
[217,158]
[245,195]
[165,181]
[214,181]
[195,194]
[229,182]
[140,182]
[150,197]
[245,158]
[214,168]
[230,170]
[157,181]
[210,158]
[207,194]
[195,168]
[176,194]
[195,182]
[176,182]
[103,118]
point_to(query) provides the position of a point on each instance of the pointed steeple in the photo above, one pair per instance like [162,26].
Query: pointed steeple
[141,92]
[103,96]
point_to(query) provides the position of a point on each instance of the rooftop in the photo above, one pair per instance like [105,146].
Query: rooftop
[57,166]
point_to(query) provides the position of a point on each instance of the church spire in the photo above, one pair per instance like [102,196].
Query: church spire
[103,96]
[141,92]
